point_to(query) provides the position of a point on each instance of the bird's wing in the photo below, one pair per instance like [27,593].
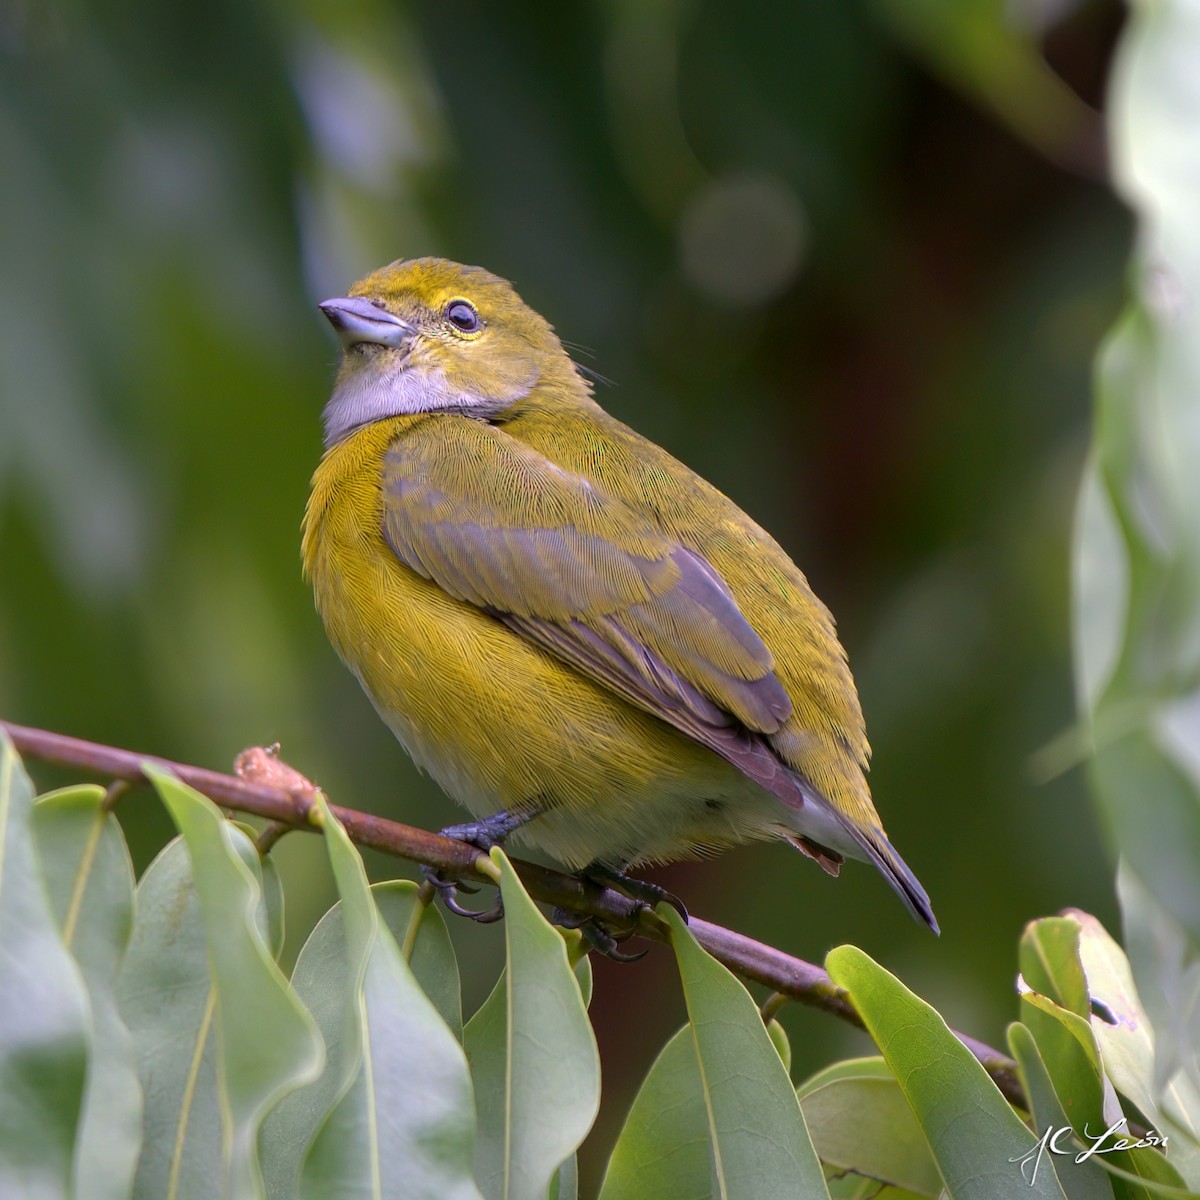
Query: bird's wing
[583,575]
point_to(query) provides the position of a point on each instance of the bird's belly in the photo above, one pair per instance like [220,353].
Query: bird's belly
[500,724]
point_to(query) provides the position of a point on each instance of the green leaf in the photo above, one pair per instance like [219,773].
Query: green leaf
[1068,1047]
[859,1187]
[45,1025]
[759,1144]
[860,1121]
[1049,963]
[583,973]
[533,1056]
[1080,1181]
[85,865]
[1100,571]
[565,1185]
[1155,1179]
[166,999]
[977,1140]
[330,990]
[1049,958]
[401,1117]
[421,933]
[1140,511]
[1159,834]
[272,905]
[1126,1043]
[323,985]
[1167,977]
[267,1043]
[664,1147]
[1145,773]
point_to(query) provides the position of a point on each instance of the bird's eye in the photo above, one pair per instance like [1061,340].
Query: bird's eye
[463,316]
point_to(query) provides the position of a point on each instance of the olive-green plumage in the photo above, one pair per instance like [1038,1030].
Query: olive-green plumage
[555,616]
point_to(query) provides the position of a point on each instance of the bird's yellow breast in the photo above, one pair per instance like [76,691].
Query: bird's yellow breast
[496,721]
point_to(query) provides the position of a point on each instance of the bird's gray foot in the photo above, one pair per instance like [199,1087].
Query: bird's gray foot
[490,831]
[484,834]
[596,934]
[649,894]
[448,890]
[568,918]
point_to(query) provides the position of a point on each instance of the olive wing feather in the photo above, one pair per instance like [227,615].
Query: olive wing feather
[580,573]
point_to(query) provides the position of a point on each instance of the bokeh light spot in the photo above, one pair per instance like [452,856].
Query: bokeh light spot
[742,239]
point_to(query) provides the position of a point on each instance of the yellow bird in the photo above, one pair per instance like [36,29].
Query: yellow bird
[582,641]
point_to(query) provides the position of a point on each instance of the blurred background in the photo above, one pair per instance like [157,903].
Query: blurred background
[851,261]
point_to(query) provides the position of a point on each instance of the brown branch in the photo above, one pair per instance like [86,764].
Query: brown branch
[287,801]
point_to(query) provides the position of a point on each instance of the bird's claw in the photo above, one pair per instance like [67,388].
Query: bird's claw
[488,916]
[448,889]
[483,835]
[596,934]
[601,940]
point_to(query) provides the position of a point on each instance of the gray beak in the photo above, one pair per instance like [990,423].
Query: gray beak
[357,320]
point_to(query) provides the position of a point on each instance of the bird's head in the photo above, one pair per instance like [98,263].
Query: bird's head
[427,335]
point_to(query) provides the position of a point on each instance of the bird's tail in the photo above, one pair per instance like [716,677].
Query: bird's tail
[818,829]
[895,870]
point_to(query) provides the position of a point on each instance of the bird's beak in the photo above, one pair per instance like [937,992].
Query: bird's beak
[357,320]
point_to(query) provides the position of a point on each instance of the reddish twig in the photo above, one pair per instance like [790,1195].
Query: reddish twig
[287,801]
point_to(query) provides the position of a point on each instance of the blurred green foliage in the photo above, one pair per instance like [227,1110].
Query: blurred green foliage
[831,256]
[1137,558]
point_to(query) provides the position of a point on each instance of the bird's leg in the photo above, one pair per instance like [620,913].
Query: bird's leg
[600,939]
[568,918]
[486,833]
[490,831]
[598,935]
[649,894]
[595,934]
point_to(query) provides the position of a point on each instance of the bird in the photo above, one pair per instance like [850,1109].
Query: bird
[584,643]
